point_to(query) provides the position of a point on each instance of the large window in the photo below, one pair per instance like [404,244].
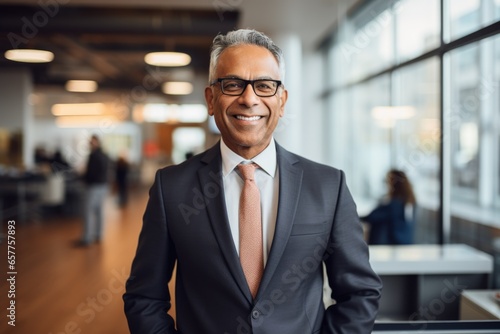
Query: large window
[465,120]
[466,16]
[414,37]
[367,40]
[394,81]
[417,139]
[473,117]
[372,133]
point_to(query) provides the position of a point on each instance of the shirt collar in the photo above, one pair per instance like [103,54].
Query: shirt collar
[265,159]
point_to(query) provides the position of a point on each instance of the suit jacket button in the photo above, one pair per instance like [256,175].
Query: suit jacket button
[255,314]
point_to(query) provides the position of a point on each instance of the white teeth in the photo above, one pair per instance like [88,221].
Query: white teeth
[252,118]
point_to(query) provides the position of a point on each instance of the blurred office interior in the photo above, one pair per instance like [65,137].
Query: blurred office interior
[373,85]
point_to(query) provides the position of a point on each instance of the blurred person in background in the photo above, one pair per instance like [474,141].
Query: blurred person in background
[392,222]
[121,179]
[96,181]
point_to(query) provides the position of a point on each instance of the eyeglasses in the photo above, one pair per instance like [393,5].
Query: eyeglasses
[236,87]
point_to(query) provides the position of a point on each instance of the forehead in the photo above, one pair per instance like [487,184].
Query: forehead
[247,59]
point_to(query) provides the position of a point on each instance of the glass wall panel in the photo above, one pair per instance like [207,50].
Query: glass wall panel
[367,45]
[393,120]
[497,10]
[338,67]
[371,140]
[417,27]
[464,121]
[465,17]
[473,118]
[417,139]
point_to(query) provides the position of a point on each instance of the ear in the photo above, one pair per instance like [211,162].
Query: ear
[283,98]
[209,98]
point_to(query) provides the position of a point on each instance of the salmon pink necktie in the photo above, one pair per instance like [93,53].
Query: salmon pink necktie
[250,225]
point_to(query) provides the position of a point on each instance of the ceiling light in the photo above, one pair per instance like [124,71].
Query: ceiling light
[177,88]
[29,55]
[77,109]
[81,86]
[167,59]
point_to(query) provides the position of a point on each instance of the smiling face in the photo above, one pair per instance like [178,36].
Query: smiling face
[246,122]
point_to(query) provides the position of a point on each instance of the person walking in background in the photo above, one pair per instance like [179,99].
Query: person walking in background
[121,179]
[250,224]
[392,222]
[96,180]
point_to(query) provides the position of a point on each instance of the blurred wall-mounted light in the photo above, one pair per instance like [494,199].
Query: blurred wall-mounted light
[77,109]
[170,113]
[177,88]
[81,86]
[393,112]
[169,59]
[29,55]
[386,116]
[85,121]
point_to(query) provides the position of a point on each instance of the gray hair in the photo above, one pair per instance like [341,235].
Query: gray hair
[240,37]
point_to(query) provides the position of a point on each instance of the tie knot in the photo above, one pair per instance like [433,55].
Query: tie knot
[247,170]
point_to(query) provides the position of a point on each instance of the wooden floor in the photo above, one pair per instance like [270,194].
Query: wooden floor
[60,288]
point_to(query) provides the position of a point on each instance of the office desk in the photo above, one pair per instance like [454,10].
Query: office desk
[20,188]
[424,282]
[479,305]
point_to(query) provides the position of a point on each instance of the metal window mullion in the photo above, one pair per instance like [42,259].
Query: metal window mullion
[444,230]
[446,158]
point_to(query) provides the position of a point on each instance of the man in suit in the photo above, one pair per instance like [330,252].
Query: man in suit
[308,222]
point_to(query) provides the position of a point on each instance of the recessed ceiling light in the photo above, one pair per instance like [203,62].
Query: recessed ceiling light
[29,55]
[167,59]
[177,88]
[81,86]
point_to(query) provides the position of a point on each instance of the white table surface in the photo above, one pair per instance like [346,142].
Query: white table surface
[429,259]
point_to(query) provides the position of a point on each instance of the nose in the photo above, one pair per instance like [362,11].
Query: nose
[248,97]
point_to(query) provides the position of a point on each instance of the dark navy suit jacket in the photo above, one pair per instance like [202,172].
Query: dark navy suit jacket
[185,222]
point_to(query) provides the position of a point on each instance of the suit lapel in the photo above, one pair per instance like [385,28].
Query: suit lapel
[211,174]
[290,175]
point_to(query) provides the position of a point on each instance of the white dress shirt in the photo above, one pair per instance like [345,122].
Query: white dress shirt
[267,179]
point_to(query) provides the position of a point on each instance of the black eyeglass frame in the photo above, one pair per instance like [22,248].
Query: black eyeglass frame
[247,82]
